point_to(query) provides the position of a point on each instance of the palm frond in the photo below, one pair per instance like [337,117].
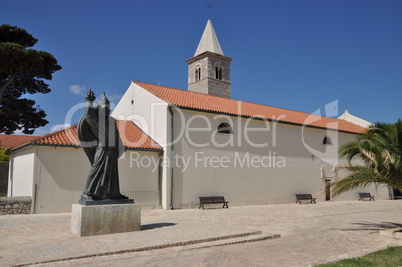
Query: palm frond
[379,153]
[359,177]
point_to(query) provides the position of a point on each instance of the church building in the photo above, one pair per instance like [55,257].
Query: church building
[184,144]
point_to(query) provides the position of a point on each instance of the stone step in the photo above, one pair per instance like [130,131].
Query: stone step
[233,241]
[393,232]
[250,236]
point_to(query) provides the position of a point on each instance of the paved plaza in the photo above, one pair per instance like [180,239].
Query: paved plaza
[270,235]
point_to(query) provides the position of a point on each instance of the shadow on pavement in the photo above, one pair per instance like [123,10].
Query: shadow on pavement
[155,225]
[369,226]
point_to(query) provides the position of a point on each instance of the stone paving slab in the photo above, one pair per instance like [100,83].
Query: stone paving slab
[45,238]
[310,233]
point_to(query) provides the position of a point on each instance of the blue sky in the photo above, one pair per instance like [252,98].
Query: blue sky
[293,54]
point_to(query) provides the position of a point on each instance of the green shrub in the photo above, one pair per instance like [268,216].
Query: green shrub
[3,156]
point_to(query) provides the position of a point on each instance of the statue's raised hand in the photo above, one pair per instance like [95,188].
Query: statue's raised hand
[90,96]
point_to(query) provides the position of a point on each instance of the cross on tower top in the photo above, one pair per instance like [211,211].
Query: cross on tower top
[209,7]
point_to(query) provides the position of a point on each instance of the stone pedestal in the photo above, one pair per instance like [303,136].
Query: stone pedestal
[105,219]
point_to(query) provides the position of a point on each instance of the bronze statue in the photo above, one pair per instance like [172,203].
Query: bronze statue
[99,137]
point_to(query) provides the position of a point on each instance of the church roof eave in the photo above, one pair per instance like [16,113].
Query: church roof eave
[220,105]
[208,54]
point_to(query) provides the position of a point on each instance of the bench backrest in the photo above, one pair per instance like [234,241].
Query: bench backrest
[214,199]
[365,194]
[304,196]
[218,199]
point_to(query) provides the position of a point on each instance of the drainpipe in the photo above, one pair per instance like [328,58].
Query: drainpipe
[10,176]
[35,182]
[171,157]
[160,178]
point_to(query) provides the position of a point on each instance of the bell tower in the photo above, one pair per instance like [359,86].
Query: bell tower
[209,69]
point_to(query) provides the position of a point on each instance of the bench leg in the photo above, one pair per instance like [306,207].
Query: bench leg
[298,201]
[201,206]
[313,200]
[225,205]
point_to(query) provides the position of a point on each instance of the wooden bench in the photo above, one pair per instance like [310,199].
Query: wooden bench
[213,200]
[366,195]
[305,197]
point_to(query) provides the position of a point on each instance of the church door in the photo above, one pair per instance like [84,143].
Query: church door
[327,190]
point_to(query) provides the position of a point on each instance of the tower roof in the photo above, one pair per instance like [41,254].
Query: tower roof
[209,42]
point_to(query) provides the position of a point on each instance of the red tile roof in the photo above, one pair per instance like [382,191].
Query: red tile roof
[215,104]
[65,137]
[132,137]
[12,141]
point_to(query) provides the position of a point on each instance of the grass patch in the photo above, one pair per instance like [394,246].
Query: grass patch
[390,257]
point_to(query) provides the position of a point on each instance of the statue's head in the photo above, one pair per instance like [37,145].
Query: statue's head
[104,103]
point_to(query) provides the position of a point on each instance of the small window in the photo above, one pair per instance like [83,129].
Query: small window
[327,141]
[224,128]
[197,74]
[218,73]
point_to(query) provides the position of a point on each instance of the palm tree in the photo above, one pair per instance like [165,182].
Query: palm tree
[374,158]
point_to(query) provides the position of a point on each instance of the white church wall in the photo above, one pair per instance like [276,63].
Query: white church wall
[151,114]
[145,110]
[139,171]
[20,181]
[124,108]
[61,173]
[266,164]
